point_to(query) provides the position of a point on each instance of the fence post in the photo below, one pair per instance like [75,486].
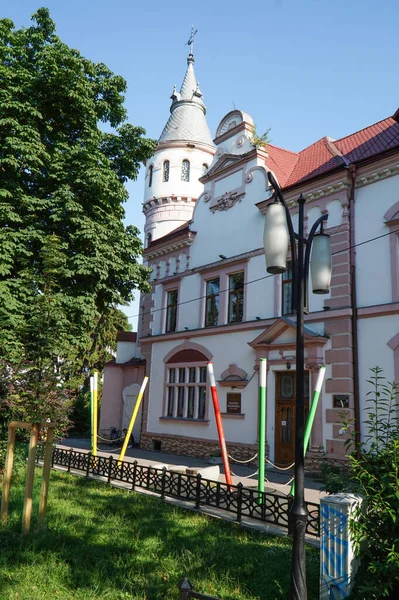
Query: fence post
[69,460]
[110,459]
[88,464]
[239,501]
[198,491]
[338,564]
[134,474]
[185,588]
[148,477]
[163,483]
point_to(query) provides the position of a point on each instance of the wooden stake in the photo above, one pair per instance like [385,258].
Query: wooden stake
[46,478]
[7,474]
[30,473]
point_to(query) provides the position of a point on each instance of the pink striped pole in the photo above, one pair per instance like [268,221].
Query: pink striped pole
[219,424]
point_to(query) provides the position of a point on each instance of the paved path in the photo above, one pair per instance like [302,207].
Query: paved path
[276,480]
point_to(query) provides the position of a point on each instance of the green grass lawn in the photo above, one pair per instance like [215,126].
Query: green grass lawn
[109,544]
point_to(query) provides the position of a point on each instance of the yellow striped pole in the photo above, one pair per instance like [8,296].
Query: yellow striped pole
[133,419]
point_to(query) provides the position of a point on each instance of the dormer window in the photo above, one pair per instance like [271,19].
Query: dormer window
[150,176]
[185,170]
[166,166]
[204,168]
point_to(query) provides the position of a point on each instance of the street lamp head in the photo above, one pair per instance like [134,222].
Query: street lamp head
[276,237]
[320,264]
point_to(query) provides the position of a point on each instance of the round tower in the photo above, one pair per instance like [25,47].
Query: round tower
[184,152]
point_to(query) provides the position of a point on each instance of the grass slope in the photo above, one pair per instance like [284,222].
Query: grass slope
[109,544]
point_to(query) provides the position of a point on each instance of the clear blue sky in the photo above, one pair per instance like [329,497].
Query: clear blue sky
[304,68]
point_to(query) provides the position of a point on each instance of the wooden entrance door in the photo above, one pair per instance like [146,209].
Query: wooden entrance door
[284,444]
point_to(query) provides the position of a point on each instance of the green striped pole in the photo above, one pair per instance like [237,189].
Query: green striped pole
[262,424]
[311,416]
[92,413]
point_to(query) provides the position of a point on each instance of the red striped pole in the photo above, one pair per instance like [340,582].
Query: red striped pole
[219,424]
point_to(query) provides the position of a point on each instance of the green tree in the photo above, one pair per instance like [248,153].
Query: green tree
[67,260]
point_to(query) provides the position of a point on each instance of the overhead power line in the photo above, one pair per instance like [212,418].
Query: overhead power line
[150,312]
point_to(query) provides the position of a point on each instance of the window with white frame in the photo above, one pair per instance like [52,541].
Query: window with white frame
[171,310]
[166,166]
[186,391]
[185,170]
[236,297]
[212,302]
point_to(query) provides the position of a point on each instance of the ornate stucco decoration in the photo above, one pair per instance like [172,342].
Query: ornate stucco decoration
[227,201]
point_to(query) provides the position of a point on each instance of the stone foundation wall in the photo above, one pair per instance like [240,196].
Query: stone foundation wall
[196,448]
[314,460]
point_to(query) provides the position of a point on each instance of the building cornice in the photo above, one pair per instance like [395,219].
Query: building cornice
[185,144]
[155,202]
[183,241]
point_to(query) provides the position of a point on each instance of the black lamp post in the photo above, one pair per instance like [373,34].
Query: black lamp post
[279,232]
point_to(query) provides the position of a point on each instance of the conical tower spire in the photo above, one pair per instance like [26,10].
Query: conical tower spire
[187,121]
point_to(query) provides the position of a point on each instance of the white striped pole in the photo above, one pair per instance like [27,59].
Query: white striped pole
[262,424]
[312,414]
[219,424]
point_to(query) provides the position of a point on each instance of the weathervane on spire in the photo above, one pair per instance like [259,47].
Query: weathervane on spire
[191,40]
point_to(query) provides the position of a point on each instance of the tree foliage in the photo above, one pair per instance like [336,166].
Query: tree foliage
[67,260]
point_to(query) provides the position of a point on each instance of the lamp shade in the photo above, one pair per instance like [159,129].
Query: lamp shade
[275,239]
[320,264]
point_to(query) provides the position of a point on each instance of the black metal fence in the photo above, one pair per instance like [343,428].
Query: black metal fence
[243,502]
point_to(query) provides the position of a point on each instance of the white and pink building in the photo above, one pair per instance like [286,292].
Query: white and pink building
[212,299]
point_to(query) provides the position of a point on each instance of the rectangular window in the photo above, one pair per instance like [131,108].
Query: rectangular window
[236,297]
[171,401]
[212,302]
[171,311]
[191,402]
[201,402]
[286,291]
[186,392]
[180,402]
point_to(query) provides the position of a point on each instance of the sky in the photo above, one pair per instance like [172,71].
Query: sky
[303,68]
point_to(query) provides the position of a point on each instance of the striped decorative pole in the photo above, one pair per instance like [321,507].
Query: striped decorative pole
[95,413]
[311,416]
[91,413]
[133,419]
[262,424]
[219,424]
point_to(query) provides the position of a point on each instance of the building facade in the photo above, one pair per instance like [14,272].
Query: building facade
[212,298]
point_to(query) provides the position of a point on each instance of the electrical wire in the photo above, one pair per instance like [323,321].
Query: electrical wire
[151,312]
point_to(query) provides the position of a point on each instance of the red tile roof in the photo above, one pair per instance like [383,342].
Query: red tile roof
[281,162]
[326,154]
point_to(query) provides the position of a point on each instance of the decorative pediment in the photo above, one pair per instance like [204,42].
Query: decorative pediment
[227,160]
[282,334]
[234,377]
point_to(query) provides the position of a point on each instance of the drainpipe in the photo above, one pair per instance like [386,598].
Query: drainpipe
[355,361]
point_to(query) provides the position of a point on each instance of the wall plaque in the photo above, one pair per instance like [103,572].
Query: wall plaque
[233,404]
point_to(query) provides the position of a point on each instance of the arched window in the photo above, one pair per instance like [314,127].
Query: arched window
[150,176]
[186,385]
[149,239]
[204,168]
[185,170]
[166,165]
